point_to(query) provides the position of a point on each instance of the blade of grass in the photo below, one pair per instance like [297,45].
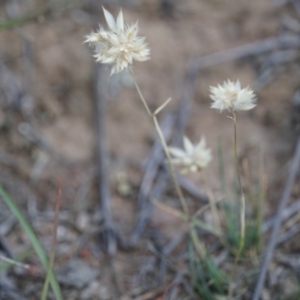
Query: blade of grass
[202,225]
[208,280]
[33,239]
[52,256]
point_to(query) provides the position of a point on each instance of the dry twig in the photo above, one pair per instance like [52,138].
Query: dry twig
[151,173]
[252,49]
[286,215]
[110,237]
[294,169]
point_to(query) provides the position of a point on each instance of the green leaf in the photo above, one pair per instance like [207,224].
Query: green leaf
[33,239]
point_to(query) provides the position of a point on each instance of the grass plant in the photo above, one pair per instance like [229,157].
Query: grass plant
[38,248]
[237,220]
[209,280]
[118,47]
[52,254]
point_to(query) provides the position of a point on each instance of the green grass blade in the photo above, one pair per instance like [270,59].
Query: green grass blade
[33,239]
[202,225]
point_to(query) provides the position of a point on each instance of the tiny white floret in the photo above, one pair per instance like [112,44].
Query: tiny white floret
[193,158]
[231,96]
[118,46]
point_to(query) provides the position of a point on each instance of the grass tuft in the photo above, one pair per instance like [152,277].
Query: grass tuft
[33,239]
[208,280]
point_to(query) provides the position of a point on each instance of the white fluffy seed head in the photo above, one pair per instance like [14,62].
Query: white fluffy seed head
[193,158]
[118,46]
[230,96]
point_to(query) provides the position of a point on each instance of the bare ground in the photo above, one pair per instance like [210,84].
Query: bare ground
[47,82]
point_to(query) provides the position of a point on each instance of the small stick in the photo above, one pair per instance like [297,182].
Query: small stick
[256,48]
[155,160]
[151,173]
[103,156]
[14,262]
[287,235]
[286,214]
[157,192]
[110,237]
[273,66]
[186,101]
[294,169]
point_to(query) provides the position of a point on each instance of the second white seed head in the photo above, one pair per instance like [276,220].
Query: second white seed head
[192,158]
[231,96]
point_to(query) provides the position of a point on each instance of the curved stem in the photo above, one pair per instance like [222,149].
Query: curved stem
[171,167]
[142,97]
[165,147]
[242,208]
[243,204]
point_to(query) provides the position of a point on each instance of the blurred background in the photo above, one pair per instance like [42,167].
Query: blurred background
[49,132]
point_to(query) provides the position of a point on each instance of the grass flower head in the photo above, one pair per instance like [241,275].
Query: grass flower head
[230,96]
[193,158]
[118,46]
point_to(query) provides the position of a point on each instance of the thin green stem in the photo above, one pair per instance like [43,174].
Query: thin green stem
[197,223]
[166,149]
[33,239]
[171,167]
[193,221]
[242,208]
[52,255]
[197,243]
[142,98]
[243,204]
